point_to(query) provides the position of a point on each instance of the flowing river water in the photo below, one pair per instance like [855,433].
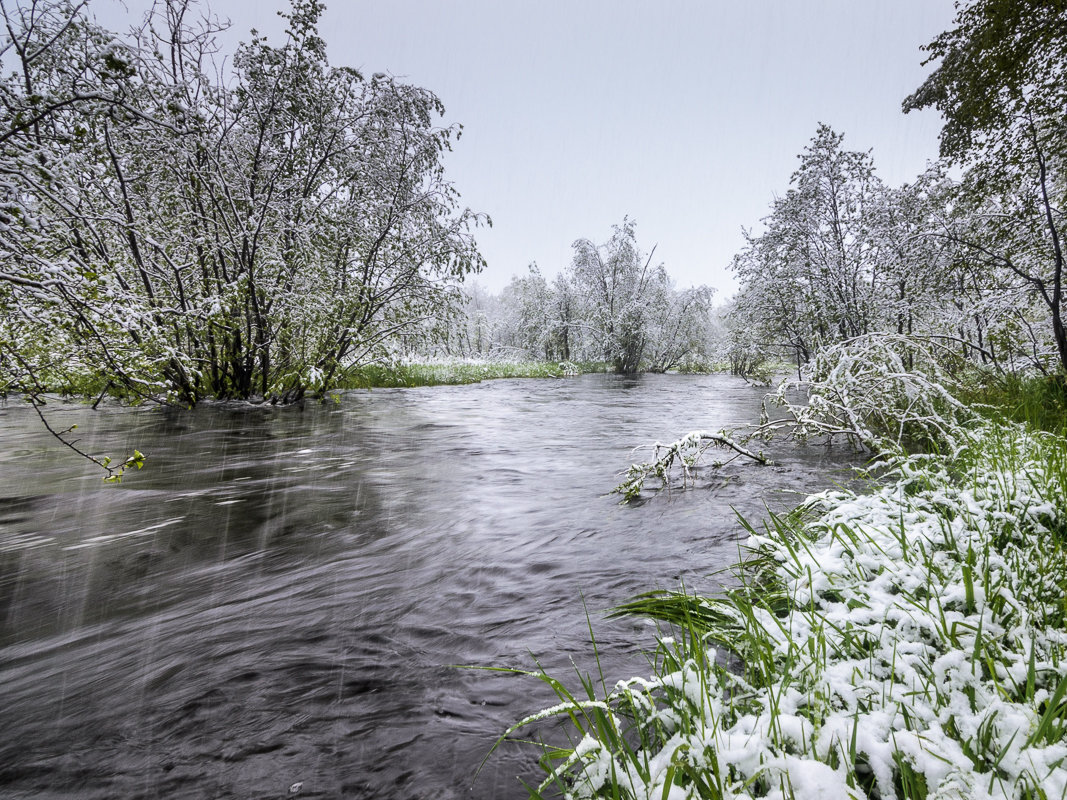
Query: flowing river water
[276,606]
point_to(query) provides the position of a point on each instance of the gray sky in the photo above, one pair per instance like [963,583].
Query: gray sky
[686,116]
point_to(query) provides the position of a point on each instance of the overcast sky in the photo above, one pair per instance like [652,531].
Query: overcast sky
[686,116]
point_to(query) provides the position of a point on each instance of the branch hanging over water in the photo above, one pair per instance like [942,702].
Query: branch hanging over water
[881,393]
[684,453]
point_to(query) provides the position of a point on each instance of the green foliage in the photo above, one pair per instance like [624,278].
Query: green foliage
[1001,55]
[115,473]
[372,376]
[1039,401]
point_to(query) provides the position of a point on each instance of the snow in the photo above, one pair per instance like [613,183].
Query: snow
[798,777]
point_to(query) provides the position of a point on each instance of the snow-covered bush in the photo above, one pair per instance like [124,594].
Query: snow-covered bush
[882,391]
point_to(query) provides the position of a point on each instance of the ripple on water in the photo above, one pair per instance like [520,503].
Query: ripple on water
[288,596]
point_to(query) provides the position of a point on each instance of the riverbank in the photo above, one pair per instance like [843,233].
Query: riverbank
[458,372]
[906,641]
[410,374]
[399,374]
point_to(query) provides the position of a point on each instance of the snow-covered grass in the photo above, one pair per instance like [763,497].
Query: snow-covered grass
[910,641]
[904,641]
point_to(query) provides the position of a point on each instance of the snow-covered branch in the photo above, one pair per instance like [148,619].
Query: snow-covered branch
[882,393]
[684,455]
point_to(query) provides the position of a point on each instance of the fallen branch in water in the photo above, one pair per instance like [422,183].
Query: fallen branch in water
[34,395]
[685,452]
[882,393]
[114,473]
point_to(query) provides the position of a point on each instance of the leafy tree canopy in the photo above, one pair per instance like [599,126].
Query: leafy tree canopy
[1003,59]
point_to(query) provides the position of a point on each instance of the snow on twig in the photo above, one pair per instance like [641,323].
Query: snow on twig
[881,393]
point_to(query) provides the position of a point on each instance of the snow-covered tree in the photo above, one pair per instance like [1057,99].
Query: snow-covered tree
[528,301]
[680,327]
[172,234]
[1001,86]
[618,286]
[812,277]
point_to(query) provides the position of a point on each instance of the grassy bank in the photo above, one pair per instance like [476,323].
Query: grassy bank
[1037,401]
[403,375]
[372,376]
[907,641]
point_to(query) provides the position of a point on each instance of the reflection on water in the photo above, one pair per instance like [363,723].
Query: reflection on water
[281,595]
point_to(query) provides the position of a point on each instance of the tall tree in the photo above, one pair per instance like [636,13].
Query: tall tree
[814,274]
[1001,85]
[617,283]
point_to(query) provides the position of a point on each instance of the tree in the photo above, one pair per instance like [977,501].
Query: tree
[679,327]
[474,330]
[177,236]
[928,288]
[528,302]
[609,305]
[617,284]
[1001,86]
[742,343]
[814,275]
[567,328]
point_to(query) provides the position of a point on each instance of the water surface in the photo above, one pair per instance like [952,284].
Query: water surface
[278,600]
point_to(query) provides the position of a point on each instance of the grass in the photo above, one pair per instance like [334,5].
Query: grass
[408,375]
[372,376]
[1036,400]
[905,642]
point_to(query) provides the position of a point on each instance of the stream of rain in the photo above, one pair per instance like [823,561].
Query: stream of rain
[274,606]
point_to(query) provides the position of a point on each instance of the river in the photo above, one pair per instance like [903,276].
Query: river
[278,604]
